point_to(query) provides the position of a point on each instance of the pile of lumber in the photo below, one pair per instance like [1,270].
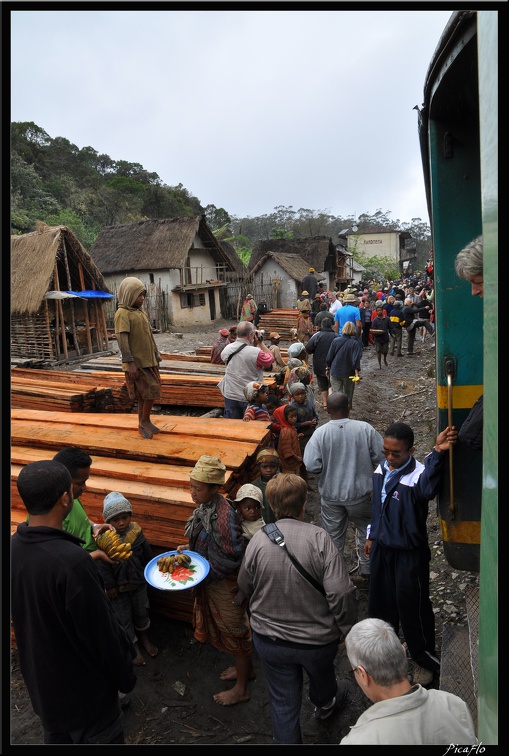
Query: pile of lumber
[279,320]
[202,352]
[36,392]
[178,366]
[110,396]
[152,473]
[110,390]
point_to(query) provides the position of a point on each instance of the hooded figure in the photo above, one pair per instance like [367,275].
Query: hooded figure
[140,356]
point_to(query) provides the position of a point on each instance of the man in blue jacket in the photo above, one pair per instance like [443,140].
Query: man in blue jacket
[397,542]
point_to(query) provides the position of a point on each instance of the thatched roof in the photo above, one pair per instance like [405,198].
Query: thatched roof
[317,251]
[154,245]
[229,250]
[33,258]
[292,264]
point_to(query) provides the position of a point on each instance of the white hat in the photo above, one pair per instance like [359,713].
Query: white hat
[248,491]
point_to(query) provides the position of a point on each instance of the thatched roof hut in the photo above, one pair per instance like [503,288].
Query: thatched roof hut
[292,264]
[318,252]
[154,245]
[46,265]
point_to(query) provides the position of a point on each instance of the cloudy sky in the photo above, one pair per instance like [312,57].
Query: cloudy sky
[247,109]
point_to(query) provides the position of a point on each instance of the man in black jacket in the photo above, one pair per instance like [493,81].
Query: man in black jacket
[310,284]
[318,345]
[74,654]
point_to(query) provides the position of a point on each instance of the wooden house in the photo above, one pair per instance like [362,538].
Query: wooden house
[181,262]
[284,273]
[57,298]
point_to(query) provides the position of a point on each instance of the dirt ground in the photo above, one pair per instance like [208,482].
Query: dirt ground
[172,702]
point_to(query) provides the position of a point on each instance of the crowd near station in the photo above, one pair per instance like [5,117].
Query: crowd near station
[278,586]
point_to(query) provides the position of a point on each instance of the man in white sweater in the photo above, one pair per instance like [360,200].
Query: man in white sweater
[345,452]
[402,714]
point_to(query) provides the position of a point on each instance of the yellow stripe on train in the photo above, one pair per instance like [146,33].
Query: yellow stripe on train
[468,531]
[463,397]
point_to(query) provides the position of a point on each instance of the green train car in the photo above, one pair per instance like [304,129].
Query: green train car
[458,131]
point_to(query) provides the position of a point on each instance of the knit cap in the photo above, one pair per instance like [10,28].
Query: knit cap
[114,504]
[296,387]
[209,470]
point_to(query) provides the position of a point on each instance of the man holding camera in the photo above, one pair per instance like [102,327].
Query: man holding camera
[245,359]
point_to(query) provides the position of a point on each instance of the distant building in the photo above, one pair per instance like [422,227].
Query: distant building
[383,242]
[183,265]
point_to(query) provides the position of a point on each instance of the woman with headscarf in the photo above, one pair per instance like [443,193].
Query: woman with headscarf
[215,532]
[140,355]
[249,308]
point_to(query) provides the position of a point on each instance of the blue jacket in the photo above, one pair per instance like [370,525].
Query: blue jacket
[344,356]
[400,522]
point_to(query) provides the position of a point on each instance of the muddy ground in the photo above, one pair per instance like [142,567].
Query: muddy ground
[172,702]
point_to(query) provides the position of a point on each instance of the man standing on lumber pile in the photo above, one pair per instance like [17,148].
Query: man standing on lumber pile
[140,356]
[245,359]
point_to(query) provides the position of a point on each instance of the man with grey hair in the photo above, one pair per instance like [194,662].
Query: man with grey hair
[402,714]
[245,359]
[469,265]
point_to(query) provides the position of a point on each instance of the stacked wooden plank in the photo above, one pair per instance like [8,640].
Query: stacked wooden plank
[153,474]
[202,352]
[33,393]
[110,396]
[178,366]
[279,320]
[178,390]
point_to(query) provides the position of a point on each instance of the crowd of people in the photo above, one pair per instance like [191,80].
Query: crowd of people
[277,584]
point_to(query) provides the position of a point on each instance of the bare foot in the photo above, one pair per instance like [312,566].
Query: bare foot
[230,673]
[231,697]
[153,427]
[144,432]
[148,645]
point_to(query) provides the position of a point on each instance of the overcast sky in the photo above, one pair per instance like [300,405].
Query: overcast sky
[247,109]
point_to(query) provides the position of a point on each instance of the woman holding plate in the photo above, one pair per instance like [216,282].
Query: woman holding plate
[215,533]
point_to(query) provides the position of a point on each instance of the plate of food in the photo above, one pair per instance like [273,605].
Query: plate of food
[174,571]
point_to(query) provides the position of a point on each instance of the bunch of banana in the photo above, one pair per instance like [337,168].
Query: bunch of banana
[110,542]
[168,563]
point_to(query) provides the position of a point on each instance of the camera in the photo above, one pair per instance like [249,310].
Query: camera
[260,334]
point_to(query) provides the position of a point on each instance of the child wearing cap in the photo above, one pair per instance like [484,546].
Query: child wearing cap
[275,351]
[256,394]
[217,347]
[125,581]
[268,464]
[248,503]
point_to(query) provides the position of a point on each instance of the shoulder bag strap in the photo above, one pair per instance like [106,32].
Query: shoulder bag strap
[236,352]
[272,531]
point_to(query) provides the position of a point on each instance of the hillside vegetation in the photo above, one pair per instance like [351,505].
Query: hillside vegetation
[54,181]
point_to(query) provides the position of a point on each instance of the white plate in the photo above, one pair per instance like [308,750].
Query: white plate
[190,575]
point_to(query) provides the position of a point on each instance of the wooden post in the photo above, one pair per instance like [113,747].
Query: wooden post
[69,287]
[48,329]
[100,319]
[60,310]
[85,309]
